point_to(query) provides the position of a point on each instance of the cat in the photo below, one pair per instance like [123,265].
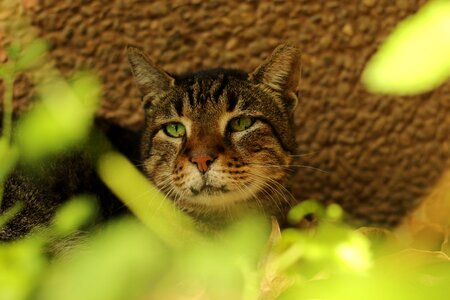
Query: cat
[221,142]
[218,142]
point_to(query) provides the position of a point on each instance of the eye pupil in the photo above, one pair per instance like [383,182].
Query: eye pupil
[175,130]
[241,123]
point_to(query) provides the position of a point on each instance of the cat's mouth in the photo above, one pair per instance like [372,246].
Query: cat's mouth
[217,197]
[207,189]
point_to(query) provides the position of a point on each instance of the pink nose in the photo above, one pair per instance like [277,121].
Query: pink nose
[202,161]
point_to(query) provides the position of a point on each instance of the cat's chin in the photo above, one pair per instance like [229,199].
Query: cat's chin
[217,198]
[208,190]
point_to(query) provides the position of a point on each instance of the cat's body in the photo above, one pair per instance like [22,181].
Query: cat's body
[44,187]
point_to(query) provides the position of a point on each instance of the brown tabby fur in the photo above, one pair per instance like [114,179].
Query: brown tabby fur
[251,167]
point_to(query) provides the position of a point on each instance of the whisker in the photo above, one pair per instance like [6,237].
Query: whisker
[302,155]
[267,190]
[289,166]
[261,184]
[276,184]
[253,195]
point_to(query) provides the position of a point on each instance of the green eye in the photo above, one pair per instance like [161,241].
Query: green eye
[241,124]
[175,130]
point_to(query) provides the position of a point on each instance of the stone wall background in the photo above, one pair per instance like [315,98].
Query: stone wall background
[374,149]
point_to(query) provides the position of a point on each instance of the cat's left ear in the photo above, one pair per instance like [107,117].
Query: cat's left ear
[151,81]
[281,72]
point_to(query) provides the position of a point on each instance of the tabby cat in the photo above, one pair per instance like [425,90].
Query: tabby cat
[220,142]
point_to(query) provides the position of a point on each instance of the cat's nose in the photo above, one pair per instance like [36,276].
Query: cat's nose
[203,161]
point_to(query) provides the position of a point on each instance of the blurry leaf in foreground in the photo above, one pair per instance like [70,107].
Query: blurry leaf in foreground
[328,247]
[410,274]
[354,253]
[13,50]
[415,57]
[61,120]
[7,215]
[73,214]
[21,266]
[304,208]
[120,263]
[334,212]
[4,70]
[225,267]
[145,201]
[31,55]
[9,156]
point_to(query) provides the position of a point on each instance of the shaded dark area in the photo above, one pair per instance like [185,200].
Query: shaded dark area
[44,187]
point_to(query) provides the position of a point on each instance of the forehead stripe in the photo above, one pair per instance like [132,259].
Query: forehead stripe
[218,91]
[232,100]
[190,95]
[179,106]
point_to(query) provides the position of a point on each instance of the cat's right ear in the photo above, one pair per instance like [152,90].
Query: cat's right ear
[151,81]
[281,72]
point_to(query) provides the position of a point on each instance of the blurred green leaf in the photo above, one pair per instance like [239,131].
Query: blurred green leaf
[21,265]
[74,214]
[61,120]
[329,248]
[225,267]
[145,201]
[4,70]
[13,50]
[9,157]
[123,258]
[6,216]
[31,55]
[307,207]
[415,57]
[334,212]
[353,253]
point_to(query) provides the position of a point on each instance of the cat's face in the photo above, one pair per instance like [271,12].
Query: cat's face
[218,139]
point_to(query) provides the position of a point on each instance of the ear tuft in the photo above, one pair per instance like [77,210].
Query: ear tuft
[281,71]
[151,81]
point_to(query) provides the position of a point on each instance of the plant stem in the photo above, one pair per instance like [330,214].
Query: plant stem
[2,190]
[145,201]
[8,107]
[8,82]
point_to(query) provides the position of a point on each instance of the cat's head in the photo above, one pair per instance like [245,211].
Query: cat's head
[219,139]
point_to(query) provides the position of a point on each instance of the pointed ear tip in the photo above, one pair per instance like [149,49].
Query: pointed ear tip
[289,47]
[132,49]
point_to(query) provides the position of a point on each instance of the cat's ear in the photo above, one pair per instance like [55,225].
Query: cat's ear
[281,72]
[151,81]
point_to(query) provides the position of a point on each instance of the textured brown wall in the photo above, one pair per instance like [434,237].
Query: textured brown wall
[374,149]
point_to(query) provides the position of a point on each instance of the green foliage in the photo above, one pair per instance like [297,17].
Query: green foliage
[415,57]
[145,200]
[73,215]
[7,215]
[20,59]
[9,155]
[120,262]
[61,120]
[22,265]
[159,254]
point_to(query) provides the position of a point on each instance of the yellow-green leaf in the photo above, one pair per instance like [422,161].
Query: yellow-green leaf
[415,58]
[31,55]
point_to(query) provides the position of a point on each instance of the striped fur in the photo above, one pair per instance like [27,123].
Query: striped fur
[251,167]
